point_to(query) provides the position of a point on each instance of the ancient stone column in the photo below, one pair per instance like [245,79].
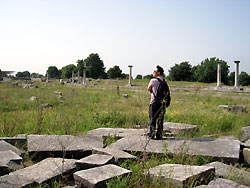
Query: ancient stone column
[84,78]
[219,74]
[72,76]
[78,75]
[130,75]
[236,74]
[47,77]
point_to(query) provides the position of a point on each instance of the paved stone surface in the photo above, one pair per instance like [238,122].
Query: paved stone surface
[4,146]
[246,154]
[118,132]
[95,160]
[117,154]
[57,145]
[182,175]
[179,128]
[222,183]
[224,149]
[41,172]
[227,171]
[245,133]
[96,177]
[14,140]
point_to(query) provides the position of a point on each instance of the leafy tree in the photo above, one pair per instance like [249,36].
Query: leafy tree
[53,72]
[80,65]
[244,79]
[24,74]
[95,67]
[67,70]
[124,76]
[36,75]
[181,72]
[207,71]
[138,76]
[148,77]
[231,78]
[114,72]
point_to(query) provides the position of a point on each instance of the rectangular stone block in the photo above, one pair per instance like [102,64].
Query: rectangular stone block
[118,132]
[182,175]
[223,149]
[4,146]
[60,145]
[179,128]
[96,177]
[228,171]
[117,154]
[94,160]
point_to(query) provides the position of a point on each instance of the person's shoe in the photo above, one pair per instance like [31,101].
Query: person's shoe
[150,135]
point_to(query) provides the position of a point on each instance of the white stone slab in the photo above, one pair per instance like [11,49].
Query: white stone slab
[64,144]
[95,160]
[228,171]
[4,146]
[246,154]
[117,154]
[118,132]
[224,149]
[96,177]
[179,128]
[182,175]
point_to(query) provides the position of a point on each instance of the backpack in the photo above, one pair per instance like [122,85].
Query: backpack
[163,93]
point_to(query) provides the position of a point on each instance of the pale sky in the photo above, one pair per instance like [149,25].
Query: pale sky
[36,34]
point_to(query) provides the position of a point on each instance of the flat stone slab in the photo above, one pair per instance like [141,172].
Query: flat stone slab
[117,154]
[182,175]
[229,172]
[95,160]
[58,145]
[40,172]
[14,140]
[4,146]
[118,132]
[179,128]
[8,161]
[96,177]
[222,183]
[224,149]
[15,181]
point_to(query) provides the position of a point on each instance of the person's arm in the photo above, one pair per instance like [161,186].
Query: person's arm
[150,86]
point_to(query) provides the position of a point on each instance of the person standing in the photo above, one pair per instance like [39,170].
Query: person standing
[156,109]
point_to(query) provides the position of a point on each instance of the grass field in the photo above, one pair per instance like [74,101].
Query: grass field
[101,104]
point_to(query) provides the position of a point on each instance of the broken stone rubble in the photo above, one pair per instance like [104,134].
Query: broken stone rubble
[95,160]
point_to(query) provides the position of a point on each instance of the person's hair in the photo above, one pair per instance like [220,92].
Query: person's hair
[160,69]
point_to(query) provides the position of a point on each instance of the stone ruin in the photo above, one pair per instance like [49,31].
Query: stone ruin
[90,163]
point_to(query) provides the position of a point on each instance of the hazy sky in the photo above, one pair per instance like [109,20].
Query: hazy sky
[36,34]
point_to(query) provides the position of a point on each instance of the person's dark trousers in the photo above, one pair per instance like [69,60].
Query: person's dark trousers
[156,115]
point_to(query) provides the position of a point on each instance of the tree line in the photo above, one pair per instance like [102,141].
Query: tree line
[205,72]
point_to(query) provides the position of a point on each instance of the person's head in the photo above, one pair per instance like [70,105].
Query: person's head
[158,71]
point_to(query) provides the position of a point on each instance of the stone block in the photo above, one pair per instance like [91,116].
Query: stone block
[16,181]
[118,132]
[222,183]
[245,133]
[182,175]
[223,149]
[60,145]
[238,108]
[4,146]
[231,172]
[246,154]
[225,107]
[95,160]
[45,170]
[7,156]
[179,128]
[96,177]
[14,140]
[117,154]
